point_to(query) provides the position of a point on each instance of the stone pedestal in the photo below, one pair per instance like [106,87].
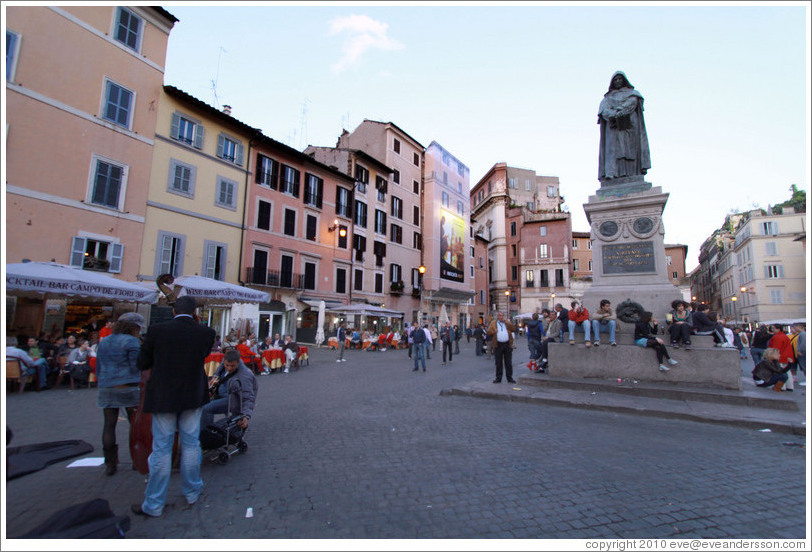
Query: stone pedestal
[628,253]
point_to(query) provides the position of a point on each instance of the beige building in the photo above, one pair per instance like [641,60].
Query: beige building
[769,262]
[581,256]
[83,84]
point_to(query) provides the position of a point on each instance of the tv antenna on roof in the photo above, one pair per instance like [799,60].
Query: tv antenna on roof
[217,77]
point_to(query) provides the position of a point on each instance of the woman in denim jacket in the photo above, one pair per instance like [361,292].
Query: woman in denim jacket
[118,378]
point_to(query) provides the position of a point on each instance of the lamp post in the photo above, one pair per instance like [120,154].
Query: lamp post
[552,301]
[733,299]
[507,302]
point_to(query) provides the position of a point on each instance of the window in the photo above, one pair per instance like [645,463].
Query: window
[259,271]
[380,222]
[530,205]
[771,248]
[181,178]
[359,244]
[575,244]
[559,277]
[543,251]
[472,252]
[343,201]
[396,176]
[170,252]
[481,296]
[230,149]
[380,187]
[513,249]
[529,278]
[92,254]
[187,130]
[286,271]
[460,207]
[108,184]
[118,103]
[773,271]
[514,273]
[396,234]
[397,145]
[360,218]
[416,186]
[542,230]
[445,199]
[358,280]
[397,208]
[480,196]
[417,241]
[378,283]
[395,273]
[589,244]
[289,183]
[226,195]
[416,160]
[416,215]
[551,191]
[264,215]
[289,224]
[674,275]
[311,225]
[769,228]
[214,260]
[590,266]
[267,172]
[481,262]
[362,178]
[513,228]
[668,259]
[128,29]
[512,183]
[379,250]
[445,178]
[777,296]
[12,53]
[527,185]
[544,280]
[309,275]
[341,280]
[575,264]
[314,187]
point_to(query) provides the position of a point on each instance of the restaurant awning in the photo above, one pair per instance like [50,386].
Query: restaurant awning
[47,279]
[201,287]
[365,310]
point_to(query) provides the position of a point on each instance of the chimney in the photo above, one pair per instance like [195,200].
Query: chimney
[227,109]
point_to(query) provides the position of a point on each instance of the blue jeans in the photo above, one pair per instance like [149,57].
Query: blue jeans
[584,325]
[598,324]
[216,406]
[419,355]
[40,367]
[756,354]
[160,461]
[428,347]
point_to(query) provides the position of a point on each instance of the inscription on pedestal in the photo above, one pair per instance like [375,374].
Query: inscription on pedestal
[628,258]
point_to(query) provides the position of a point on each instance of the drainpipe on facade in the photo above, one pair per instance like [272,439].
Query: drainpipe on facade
[244,210]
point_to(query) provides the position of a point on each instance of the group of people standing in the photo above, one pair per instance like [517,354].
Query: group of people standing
[778,357]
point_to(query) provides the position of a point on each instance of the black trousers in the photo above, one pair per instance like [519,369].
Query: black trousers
[504,357]
[448,346]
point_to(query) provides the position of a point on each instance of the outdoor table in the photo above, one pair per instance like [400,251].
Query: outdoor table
[273,358]
[303,356]
[212,362]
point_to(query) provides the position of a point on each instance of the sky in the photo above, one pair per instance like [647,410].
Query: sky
[726,87]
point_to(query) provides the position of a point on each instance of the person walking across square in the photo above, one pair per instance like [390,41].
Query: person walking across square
[501,333]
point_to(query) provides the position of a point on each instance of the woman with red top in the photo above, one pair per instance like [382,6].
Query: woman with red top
[781,341]
[247,355]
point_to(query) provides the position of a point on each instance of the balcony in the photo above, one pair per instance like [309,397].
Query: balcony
[396,288]
[278,279]
[417,291]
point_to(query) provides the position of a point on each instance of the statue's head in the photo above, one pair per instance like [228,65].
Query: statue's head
[619,81]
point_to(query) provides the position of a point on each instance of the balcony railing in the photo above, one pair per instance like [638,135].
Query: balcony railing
[277,278]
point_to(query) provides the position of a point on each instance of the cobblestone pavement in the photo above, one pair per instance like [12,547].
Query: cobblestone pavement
[369,449]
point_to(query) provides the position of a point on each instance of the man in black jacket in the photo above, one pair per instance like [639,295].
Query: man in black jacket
[175,394]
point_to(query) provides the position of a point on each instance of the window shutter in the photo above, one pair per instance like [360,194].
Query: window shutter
[780,271]
[211,260]
[116,257]
[175,131]
[258,173]
[199,133]
[77,252]
[240,152]
[766,271]
[274,174]
[166,255]
[775,228]
[319,192]
[307,199]
[221,142]
[296,175]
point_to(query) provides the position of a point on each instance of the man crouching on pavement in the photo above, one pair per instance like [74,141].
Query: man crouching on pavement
[232,381]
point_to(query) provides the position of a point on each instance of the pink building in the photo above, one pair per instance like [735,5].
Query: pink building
[80,135]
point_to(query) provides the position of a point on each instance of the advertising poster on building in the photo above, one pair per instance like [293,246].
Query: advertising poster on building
[452,247]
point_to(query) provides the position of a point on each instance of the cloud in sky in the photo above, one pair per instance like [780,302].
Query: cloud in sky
[362,33]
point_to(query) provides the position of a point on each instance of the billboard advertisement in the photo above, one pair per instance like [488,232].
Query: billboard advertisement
[452,247]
